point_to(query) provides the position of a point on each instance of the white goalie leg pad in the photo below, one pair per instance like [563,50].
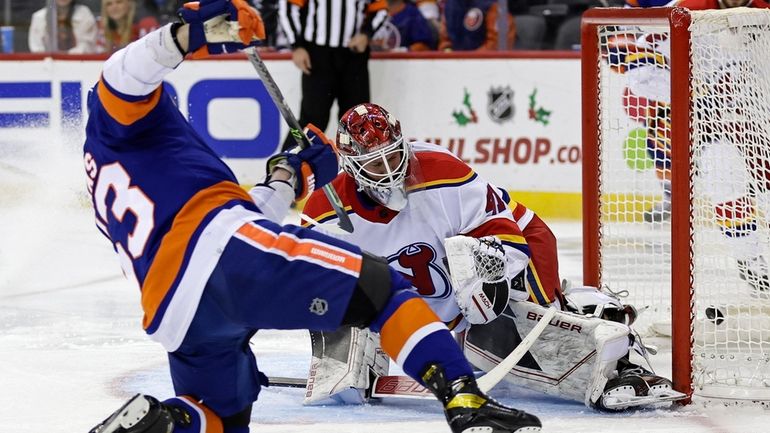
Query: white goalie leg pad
[573,358]
[342,364]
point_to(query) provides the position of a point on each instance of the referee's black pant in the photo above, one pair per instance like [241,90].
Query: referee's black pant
[336,73]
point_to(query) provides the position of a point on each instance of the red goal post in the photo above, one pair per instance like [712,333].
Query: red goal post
[669,260]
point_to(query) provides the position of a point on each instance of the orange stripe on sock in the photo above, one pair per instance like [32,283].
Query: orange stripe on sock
[301,248]
[125,112]
[168,260]
[405,321]
[213,422]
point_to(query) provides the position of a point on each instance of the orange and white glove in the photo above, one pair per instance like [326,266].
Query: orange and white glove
[221,26]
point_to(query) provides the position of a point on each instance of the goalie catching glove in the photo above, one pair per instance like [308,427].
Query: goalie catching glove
[481,270]
[221,26]
[311,167]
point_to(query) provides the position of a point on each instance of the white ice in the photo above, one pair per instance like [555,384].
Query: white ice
[72,348]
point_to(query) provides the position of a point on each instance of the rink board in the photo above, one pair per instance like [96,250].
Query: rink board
[516,120]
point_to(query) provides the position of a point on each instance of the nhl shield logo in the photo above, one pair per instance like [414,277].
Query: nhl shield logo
[319,306]
[500,107]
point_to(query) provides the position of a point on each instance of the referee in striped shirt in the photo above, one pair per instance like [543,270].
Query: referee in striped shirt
[330,45]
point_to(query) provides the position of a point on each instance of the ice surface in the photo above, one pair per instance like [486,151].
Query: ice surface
[72,348]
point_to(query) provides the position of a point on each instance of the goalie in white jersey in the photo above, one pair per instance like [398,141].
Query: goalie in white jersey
[405,199]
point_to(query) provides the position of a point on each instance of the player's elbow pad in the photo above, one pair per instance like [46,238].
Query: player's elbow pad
[371,293]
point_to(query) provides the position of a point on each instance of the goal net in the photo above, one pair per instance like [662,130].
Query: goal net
[676,175]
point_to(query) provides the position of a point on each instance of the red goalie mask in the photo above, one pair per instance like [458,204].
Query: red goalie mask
[366,128]
[372,150]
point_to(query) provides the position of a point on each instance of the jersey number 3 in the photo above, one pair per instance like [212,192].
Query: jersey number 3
[113,177]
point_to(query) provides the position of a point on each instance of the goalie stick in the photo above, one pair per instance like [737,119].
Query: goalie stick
[495,375]
[405,386]
[296,131]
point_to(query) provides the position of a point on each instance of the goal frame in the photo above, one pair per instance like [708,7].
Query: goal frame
[678,21]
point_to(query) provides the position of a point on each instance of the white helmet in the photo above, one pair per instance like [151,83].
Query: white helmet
[373,151]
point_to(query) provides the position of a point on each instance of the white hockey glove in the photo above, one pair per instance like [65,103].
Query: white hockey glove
[480,276]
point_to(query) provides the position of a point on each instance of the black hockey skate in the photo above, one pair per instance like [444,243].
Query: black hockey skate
[469,410]
[635,386]
[143,414]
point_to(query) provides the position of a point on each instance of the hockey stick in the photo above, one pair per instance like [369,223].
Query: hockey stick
[405,386]
[296,131]
[495,375]
[287,382]
[382,386]
[323,227]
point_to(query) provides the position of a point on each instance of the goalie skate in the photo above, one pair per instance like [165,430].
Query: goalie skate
[635,386]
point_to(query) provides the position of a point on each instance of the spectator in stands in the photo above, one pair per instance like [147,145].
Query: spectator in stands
[407,29]
[164,11]
[432,12]
[118,26]
[75,30]
[468,25]
[531,29]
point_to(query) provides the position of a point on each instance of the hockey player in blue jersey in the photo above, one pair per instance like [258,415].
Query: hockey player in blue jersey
[214,266]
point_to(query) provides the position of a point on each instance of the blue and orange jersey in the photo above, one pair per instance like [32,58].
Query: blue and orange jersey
[155,184]
[413,29]
[468,25]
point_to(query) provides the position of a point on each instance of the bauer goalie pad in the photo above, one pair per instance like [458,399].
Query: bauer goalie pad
[573,358]
[342,366]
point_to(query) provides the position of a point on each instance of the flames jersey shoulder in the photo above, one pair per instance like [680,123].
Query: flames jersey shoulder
[436,167]
[318,207]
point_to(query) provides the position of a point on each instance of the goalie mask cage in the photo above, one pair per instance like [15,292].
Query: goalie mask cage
[705,140]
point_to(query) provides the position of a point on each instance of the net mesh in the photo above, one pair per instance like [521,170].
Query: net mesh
[729,184]
[488,260]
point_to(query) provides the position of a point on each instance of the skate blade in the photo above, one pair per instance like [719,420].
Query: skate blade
[495,430]
[128,415]
[624,401]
